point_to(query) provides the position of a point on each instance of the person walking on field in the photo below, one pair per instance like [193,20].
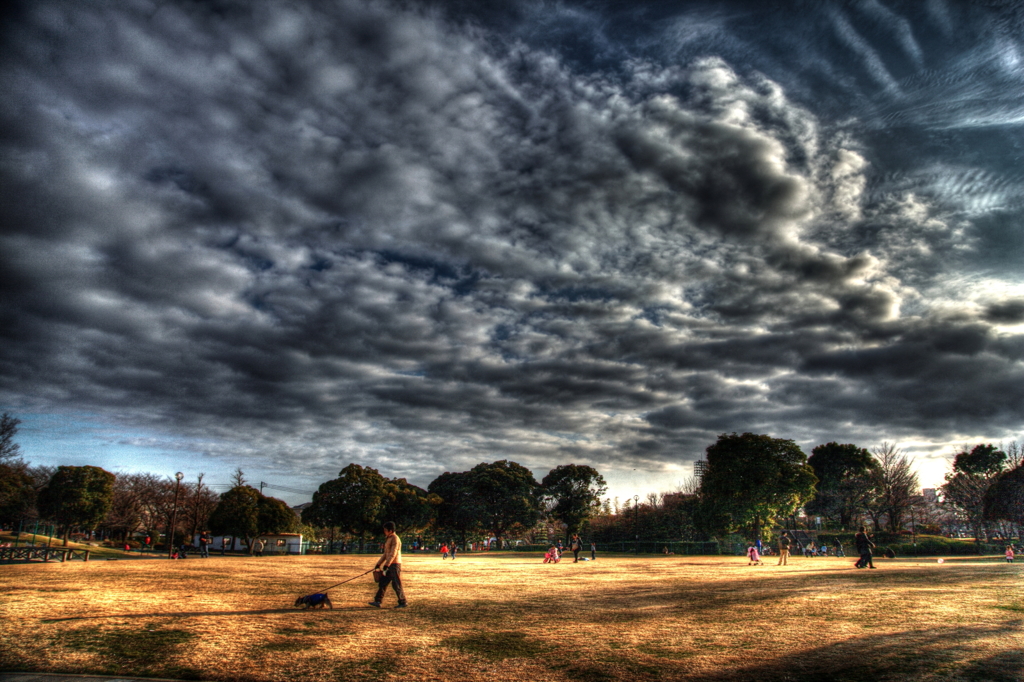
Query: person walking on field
[390,563]
[455,549]
[864,547]
[576,545]
[784,544]
[1009,554]
[593,551]
[444,551]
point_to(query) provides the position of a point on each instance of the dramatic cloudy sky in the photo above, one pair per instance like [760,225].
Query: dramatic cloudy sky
[288,236]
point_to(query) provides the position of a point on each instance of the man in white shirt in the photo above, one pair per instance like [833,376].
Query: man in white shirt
[391,563]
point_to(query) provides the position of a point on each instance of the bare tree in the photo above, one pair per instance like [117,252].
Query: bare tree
[238,478]
[688,486]
[896,486]
[1014,454]
[200,502]
[128,509]
[9,450]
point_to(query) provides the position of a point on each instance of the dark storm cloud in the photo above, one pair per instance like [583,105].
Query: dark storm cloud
[423,238]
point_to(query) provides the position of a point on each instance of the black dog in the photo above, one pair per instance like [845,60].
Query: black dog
[315,601]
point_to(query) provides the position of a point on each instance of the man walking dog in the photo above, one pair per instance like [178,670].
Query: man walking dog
[390,563]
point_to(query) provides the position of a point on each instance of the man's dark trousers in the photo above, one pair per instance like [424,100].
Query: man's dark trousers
[393,577]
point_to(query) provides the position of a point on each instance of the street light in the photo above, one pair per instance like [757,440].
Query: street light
[174,514]
[636,524]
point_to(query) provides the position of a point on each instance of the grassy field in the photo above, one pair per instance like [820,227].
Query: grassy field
[510,617]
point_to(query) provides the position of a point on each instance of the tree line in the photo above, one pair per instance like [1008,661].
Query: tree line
[751,484]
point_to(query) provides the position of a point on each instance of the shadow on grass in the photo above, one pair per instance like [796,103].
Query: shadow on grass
[906,655]
[697,597]
[206,614]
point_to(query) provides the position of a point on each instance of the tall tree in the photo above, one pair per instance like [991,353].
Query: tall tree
[508,497]
[896,489]
[77,497]
[17,493]
[573,492]
[199,503]
[353,502]
[967,485]
[752,480]
[128,507]
[410,507]
[238,514]
[1004,499]
[459,511]
[844,476]
[274,516]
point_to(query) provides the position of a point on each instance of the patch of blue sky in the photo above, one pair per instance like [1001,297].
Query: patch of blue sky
[79,439]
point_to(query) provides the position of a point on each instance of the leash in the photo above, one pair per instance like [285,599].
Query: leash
[347,581]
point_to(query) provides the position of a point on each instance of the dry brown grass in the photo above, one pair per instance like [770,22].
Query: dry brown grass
[509,617]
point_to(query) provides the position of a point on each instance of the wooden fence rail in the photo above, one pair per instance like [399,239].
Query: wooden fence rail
[44,554]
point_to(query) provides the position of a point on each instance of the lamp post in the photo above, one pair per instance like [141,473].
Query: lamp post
[174,514]
[636,525]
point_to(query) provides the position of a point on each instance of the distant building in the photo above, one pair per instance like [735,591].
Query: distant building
[279,543]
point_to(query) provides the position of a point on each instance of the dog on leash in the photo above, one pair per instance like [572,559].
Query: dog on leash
[315,601]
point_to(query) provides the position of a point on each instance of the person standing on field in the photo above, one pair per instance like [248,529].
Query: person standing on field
[784,544]
[390,563]
[576,545]
[864,547]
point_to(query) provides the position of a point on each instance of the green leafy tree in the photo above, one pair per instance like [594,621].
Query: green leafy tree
[1004,499]
[353,502]
[574,492]
[844,477]
[459,509]
[967,485]
[752,480]
[77,497]
[238,514]
[508,497]
[17,493]
[410,507]
[274,516]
